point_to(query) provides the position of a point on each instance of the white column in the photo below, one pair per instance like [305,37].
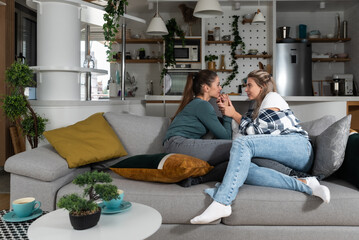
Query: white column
[58,36]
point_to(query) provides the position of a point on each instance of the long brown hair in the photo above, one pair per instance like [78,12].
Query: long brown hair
[265,81]
[193,87]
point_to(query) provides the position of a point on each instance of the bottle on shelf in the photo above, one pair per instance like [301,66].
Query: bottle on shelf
[222,65]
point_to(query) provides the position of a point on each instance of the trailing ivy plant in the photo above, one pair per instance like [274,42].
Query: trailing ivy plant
[16,105]
[169,40]
[114,10]
[237,40]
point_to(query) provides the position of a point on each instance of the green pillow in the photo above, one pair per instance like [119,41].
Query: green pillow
[349,171]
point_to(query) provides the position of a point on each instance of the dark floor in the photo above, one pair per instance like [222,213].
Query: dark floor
[4,181]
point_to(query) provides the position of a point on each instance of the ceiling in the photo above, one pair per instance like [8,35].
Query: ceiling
[138,6]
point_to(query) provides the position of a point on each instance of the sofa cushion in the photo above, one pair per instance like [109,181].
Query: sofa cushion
[138,134]
[316,127]
[349,171]
[176,204]
[42,163]
[88,141]
[256,205]
[330,147]
[163,167]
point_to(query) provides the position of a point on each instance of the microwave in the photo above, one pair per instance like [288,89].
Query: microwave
[189,52]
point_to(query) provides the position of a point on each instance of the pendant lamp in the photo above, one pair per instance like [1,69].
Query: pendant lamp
[157,26]
[207,9]
[258,17]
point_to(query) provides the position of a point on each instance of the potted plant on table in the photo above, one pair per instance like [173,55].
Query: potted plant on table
[25,122]
[84,212]
[211,63]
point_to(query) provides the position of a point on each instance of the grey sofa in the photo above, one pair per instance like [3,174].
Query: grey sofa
[258,212]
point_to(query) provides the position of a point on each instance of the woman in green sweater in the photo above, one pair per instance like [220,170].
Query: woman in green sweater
[196,117]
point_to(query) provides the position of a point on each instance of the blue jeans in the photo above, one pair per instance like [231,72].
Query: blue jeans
[292,150]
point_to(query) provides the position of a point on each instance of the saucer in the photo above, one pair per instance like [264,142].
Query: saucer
[123,207]
[11,216]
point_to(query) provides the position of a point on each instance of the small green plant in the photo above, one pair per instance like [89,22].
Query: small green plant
[141,49]
[96,186]
[16,105]
[210,58]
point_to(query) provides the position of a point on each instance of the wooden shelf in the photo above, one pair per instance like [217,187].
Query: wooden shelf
[141,40]
[253,56]
[244,21]
[219,42]
[321,40]
[142,61]
[331,59]
[223,70]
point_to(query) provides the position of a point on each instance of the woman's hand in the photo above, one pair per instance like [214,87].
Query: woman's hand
[228,110]
[223,98]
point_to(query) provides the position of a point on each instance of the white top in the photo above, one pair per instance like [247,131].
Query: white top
[274,100]
[139,222]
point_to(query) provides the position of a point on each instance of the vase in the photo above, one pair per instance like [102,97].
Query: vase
[142,54]
[222,66]
[85,221]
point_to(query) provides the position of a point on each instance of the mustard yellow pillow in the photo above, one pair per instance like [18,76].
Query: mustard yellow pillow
[88,141]
[162,167]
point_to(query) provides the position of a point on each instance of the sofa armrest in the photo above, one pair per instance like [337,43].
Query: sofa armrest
[42,163]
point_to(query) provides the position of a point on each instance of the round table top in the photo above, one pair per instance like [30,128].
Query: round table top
[139,222]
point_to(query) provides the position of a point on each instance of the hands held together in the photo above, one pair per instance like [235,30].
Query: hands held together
[226,107]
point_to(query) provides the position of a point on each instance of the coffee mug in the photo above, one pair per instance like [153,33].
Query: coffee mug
[115,203]
[24,207]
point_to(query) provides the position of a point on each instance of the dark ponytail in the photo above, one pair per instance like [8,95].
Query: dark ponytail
[193,87]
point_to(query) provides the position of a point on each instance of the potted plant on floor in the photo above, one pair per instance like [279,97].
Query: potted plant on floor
[84,212]
[211,63]
[25,122]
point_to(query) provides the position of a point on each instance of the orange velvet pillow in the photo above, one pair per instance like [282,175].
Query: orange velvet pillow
[163,167]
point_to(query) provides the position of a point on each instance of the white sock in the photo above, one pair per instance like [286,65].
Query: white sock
[215,211]
[318,190]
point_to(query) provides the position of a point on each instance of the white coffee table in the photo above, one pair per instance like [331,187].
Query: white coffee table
[139,222]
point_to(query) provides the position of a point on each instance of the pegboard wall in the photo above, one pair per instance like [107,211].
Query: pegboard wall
[255,36]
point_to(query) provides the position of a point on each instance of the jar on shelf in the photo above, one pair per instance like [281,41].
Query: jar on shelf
[210,36]
[217,33]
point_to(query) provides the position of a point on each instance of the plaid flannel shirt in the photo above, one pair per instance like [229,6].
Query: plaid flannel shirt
[270,122]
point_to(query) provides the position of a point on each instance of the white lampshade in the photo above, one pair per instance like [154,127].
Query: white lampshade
[207,9]
[157,26]
[258,17]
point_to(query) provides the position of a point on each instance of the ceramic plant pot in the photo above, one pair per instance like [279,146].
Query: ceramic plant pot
[212,66]
[86,221]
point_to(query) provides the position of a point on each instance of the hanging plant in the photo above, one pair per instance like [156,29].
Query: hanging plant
[169,40]
[114,10]
[237,40]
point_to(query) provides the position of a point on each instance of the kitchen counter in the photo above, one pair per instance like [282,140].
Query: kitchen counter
[306,108]
[150,98]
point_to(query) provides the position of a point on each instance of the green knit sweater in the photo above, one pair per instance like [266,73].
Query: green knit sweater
[196,119]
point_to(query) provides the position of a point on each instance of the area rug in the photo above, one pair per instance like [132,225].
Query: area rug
[14,230]
[4,182]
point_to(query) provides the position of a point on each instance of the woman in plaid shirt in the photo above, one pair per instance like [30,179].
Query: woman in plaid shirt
[270,131]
